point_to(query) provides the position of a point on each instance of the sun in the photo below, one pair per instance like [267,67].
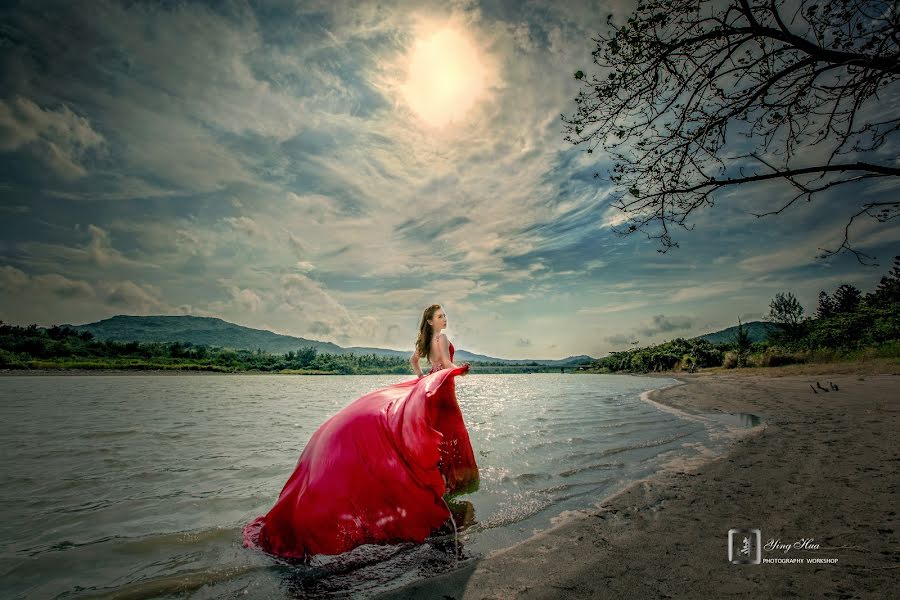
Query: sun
[446,76]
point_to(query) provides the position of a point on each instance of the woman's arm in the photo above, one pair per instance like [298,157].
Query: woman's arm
[414,361]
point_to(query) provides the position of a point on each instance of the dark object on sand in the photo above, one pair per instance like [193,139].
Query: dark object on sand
[833,386]
[819,385]
[813,389]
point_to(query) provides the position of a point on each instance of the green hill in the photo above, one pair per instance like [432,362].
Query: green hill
[198,331]
[212,331]
[757,330]
[366,351]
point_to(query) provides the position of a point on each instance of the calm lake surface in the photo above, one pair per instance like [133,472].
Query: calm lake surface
[138,486]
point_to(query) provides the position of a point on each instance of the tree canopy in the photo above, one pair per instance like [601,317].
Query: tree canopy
[693,97]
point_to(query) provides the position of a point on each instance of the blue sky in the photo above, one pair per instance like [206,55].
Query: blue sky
[274,166]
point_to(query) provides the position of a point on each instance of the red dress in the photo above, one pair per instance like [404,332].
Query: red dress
[374,472]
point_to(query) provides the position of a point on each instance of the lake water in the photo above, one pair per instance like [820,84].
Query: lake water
[138,486]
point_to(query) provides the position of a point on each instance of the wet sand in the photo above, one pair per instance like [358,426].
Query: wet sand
[824,466]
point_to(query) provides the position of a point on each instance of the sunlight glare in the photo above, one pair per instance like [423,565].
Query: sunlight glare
[445,76]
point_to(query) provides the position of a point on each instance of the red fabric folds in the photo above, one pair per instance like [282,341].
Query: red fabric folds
[373,473]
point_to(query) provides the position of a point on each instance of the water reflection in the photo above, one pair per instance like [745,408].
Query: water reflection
[129,515]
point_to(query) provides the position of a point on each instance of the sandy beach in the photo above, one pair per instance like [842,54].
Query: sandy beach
[824,467]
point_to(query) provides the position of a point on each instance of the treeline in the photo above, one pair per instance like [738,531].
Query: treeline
[847,324]
[34,347]
[678,354]
[845,320]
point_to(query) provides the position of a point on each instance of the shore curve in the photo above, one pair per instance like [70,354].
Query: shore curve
[824,467]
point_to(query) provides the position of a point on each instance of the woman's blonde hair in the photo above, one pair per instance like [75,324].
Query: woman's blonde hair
[423,342]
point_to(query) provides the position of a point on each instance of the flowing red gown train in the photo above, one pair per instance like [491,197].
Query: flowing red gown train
[374,472]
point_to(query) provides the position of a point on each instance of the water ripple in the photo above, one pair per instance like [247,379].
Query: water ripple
[156,509]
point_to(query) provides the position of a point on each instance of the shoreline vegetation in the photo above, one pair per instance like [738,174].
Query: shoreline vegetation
[846,327]
[861,365]
[33,349]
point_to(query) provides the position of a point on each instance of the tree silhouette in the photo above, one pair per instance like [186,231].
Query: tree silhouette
[846,299]
[825,308]
[786,313]
[742,343]
[888,289]
[694,97]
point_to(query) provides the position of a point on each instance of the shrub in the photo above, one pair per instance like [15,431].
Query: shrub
[775,357]
[8,359]
[687,362]
[822,355]
[730,360]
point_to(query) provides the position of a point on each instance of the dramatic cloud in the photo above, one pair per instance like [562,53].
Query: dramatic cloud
[59,138]
[320,313]
[247,226]
[619,339]
[55,298]
[663,324]
[132,297]
[329,169]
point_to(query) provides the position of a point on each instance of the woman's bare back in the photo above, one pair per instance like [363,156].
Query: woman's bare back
[434,353]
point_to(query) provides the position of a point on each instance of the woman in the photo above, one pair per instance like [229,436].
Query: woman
[431,343]
[378,470]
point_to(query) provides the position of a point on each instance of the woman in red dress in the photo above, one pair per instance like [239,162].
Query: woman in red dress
[378,470]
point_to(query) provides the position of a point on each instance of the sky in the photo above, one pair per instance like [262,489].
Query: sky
[329,169]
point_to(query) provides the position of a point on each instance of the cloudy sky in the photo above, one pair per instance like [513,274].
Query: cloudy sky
[328,169]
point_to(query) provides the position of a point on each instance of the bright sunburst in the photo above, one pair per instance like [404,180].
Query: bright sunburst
[446,76]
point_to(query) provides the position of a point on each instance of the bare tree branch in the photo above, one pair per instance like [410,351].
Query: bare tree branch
[684,84]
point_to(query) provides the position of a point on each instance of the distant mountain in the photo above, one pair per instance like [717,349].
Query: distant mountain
[363,350]
[465,355]
[581,359]
[758,331]
[198,330]
[216,332]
